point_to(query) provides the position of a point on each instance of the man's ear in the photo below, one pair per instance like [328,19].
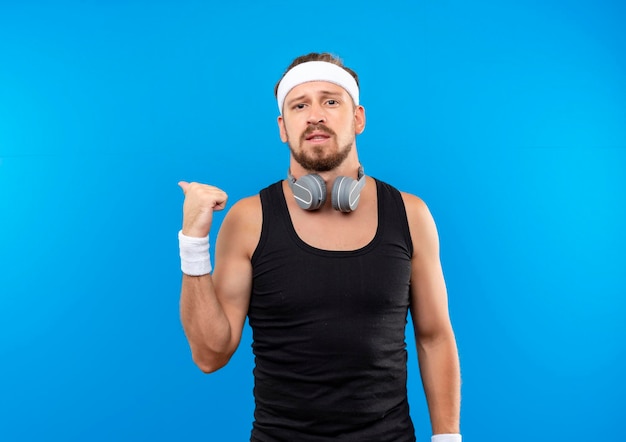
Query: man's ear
[359,120]
[281,129]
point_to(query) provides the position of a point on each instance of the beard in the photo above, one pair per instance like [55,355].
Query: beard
[318,158]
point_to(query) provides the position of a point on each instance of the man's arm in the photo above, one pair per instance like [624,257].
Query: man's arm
[213,307]
[436,344]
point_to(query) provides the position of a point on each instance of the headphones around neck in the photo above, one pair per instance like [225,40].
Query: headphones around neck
[310,191]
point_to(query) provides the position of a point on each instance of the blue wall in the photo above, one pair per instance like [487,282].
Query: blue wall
[507,118]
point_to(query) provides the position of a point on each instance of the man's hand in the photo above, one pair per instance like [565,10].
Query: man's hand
[201,200]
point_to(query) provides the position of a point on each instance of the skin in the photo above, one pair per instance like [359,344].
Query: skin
[320,124]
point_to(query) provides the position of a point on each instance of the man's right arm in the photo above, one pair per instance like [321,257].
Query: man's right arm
[213,307]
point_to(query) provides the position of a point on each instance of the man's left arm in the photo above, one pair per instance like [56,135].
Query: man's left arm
[436,344]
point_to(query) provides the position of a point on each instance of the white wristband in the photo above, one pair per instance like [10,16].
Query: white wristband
[446,438]
[194,255]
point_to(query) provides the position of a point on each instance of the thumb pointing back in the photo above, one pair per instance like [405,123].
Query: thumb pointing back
[183,185]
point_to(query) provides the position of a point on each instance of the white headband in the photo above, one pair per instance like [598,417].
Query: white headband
[316,71]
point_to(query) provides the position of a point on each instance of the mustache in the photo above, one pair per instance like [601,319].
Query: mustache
[317,128]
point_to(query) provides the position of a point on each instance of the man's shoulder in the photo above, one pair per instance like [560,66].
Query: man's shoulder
[242,224]
[417,210]
[413,201]
[246,206]
[421,222]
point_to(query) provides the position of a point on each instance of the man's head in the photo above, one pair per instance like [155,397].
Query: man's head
[320,113]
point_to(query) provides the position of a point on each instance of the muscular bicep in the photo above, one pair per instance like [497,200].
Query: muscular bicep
[232,277]
[429,300]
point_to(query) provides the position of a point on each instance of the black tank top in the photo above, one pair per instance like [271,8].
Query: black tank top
[329,330]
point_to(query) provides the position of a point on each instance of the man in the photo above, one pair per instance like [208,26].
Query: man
[325,264]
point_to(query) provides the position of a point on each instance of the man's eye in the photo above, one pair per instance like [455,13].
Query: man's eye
[299,106]
[332,102]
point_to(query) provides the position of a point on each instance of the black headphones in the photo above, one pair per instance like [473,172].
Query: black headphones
[310,191]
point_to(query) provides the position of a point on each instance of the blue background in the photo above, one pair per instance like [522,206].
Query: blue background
[507,118]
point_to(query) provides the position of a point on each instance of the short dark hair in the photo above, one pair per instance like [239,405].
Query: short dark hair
[317,56]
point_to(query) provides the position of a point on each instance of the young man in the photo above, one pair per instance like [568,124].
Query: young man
[326,265]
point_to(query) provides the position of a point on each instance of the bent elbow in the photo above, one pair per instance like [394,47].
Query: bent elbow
[209,366]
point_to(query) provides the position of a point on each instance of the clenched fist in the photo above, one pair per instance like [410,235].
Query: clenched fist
[201,200]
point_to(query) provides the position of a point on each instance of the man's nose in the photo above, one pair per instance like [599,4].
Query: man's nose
[316,114]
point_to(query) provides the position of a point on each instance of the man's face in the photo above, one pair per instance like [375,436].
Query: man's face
[320,124]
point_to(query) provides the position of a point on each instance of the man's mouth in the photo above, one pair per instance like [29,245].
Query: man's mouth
[317,136]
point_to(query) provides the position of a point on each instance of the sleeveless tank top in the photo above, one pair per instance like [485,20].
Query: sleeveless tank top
[329,330]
